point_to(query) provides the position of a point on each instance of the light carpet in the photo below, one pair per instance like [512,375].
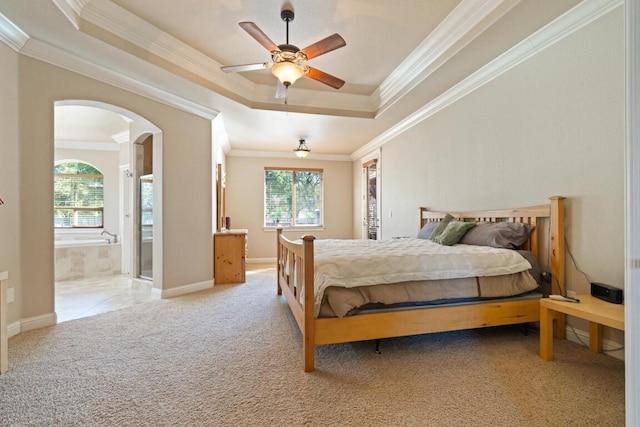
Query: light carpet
[231,356]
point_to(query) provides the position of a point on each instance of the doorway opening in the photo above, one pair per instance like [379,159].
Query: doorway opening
[371,200]
[95,263]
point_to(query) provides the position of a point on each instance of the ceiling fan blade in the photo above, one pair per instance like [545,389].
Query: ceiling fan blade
[325,78]
[281,90]
[245,67]
[325,45]
[255,32]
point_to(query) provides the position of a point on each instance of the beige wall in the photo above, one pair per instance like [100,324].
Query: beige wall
[9,170]
[554,125]
[245,196]
[186,184]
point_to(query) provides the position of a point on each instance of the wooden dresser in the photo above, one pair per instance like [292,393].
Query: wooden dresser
[229,256]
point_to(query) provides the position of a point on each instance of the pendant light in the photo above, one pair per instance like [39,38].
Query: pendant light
[302,151]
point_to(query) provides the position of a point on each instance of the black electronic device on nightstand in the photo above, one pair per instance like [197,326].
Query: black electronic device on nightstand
[606,292]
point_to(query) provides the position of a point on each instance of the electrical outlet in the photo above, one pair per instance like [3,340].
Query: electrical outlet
[571,294]
[11,295]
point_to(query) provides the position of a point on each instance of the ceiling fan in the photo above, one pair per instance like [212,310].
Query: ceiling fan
[289,62]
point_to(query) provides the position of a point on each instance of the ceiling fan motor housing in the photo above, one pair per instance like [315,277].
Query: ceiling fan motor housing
[288,52]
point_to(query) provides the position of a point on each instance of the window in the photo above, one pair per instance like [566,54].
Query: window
[292,197]
[78,195]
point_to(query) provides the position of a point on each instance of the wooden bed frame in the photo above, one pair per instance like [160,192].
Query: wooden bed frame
[298,256]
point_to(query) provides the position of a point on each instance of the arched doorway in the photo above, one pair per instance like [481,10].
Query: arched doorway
[111,136]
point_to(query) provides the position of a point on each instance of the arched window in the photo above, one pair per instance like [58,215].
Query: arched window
[78,195]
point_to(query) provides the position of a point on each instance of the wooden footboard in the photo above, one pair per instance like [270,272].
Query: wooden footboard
[295,280]
[295,267]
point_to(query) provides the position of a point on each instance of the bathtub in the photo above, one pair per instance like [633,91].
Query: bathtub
[83,242]
[85,258]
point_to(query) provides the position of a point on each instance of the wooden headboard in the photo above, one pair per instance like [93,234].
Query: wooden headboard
[542,238]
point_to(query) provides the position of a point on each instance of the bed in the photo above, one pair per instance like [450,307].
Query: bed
[296,280]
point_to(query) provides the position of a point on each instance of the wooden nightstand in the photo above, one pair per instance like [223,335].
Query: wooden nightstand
[599,313]
[230,252]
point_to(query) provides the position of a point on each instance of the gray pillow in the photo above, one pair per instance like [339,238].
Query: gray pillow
[453,232]
[441,225]
[427,229]
[509,235]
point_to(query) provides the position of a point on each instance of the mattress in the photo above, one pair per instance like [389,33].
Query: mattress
[341,301]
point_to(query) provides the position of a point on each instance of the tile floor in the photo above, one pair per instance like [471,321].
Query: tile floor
[88,297]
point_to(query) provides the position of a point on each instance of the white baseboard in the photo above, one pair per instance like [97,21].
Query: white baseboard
[38,322]
[13,329]
[186,289]
[610,348]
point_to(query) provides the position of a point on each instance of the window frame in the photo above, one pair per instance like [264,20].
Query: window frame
[292,226]
[75,210]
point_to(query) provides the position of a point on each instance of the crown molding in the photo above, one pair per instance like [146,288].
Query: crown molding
[126,26]
[61,58]
[458,28]
[118,21]
[574,19]
[462,23]
[11,34]
[71,9]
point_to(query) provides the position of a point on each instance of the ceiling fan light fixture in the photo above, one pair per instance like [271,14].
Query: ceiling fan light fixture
[288,60]
[288,72]
[302,151]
